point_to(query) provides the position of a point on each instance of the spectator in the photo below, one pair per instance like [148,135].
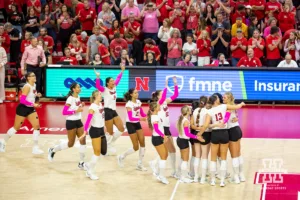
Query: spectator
[223,10]
[192,14]
[253,26]
[32,22]
[272,22]
[64,23]
[220,61]
[125,3]
[42,45]
[292,8]
[68,57]
[249,14]
[164,7]
[137,52]
[55,8]
[296,3]
[257,43]
[273,7]
[177,18]
[174,47]
[102,27]
[33,60]
[116,28]
[92,47]
[209,15]
[150,61]
[4,41]
[150,47]
[3,61]
[292,46]
[288,62]
[164,35]
[124,59]
[238,47]
[116,47]
[87,17]
[273,44]
[35,5]
[15,42]
[83,38]
[204,47]
[96,60]
[107,15]
[132,26]
[191,48]
[16,18]
[130,9]
[26,41]
[240,13]
[249,60]
[220,41]
[103,51]
[78,50]
[150,16]
[186,62]
[201,27]
[239,25]
[286,19]
[48,40]
[47,21]
[115,8]
[258,8]
[220,23]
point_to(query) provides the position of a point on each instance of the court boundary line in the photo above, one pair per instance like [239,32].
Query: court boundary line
[174,190]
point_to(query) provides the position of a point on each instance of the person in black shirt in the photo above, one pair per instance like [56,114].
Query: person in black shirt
[15,42]
[124,59]
[150,61]
[16,18]
[209,15]
[32,23]
[220,42]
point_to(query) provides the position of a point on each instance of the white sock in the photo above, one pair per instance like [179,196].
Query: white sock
[179,165]
[36,134]
[82,150]
[223,169]
[128,152]
[116,135]
[192,166]
[9,134]
[184,166]
[162,167]
[235,166]
[61,146]
[141,155]
[196,166]
[213,169]
[204,163]
[173,162]
[93,162]
[241,163]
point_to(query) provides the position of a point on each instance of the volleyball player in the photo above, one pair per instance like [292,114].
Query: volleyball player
[159,139]
[134,128]
[164,115]
[26,110]
[110,105]
[72,110]
[96,132]
[183,127]
[235,135]
[219,136]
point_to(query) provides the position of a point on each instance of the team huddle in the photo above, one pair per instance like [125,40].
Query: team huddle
[208,126]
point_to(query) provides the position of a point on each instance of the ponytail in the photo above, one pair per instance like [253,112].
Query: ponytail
[155,95]
[73,85]
[179,125]
[152,106]
[149,119]
[127,95]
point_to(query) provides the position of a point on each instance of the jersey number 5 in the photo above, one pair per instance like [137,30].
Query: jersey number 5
[218,116]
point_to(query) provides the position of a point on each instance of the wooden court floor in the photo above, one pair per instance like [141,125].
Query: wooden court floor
[28,177]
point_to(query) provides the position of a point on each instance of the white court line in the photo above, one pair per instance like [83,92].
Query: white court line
[175,189]
[264,191]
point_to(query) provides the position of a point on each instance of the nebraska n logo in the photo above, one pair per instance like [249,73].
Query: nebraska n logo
[142,83]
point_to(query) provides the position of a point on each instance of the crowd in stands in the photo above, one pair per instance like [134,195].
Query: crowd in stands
[189,33]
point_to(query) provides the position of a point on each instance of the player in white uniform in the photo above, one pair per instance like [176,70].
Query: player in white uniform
[183,127]
[72,110]
[96,132]
[159,139]
[112,118]
[26,110]
[235,135]
[134,128]
[219,136]
[164,115]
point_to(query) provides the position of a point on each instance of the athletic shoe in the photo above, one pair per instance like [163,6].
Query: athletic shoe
[242,177]
[186,180]
[213,182]
[37,151]
[163,179]
[226,176]
[175,175]
[111,151]
[235,179]
[81,165]
[91,175]
[51,154]
[222,184]
[140,167]
[196,179]
[2,146]
[152,165]
[120,161]
[190,175]
[203,181]
[86,167]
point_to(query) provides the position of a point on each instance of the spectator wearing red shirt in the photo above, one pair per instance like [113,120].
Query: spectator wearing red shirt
[274,7]
[116,47]
[65,23]
[177,18]
[4,40]
[257,43]
[78,50]
[258,6]
[116,28]
[103,51]
[131,26]
[192,14]
[10,3]
[36,5]
[249,60]
[83,38]
[151,48]
[68,57]
[273,44]
[241,12]
[203,46]
[292,46]
[26,42]
[286,19]
[238,47]
[48,40]
[174,47]
[87,17]
[164,6]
